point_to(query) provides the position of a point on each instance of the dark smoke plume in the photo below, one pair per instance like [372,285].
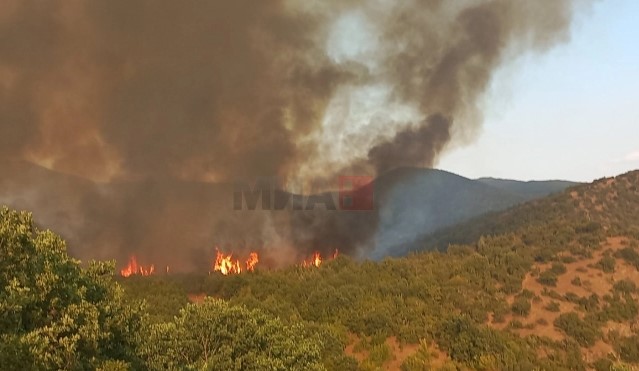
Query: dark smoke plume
[413,146]
[145,111]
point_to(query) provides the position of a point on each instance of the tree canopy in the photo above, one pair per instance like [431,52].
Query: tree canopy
[54,314]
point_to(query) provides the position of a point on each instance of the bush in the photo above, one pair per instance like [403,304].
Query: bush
[558,268]
[547,278]
[521,306]
[625,286]
[379,354]
[620,309]
[629,255]
[542,321]
[585,333]
[606,264]
[628,349]
[419,361]
[603,364]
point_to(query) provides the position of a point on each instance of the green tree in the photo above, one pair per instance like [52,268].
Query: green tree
[53,313]
[215,335]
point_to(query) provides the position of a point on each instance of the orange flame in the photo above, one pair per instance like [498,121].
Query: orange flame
[226,265]
[134,268]
[252,261]
[316,259]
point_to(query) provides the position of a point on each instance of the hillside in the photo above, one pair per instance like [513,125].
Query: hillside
[550,284]
[607,201]
[529,189]
[114,220]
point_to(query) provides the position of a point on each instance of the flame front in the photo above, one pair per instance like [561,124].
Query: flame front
[252,261]
[134,268]
[316,259]
[226,265]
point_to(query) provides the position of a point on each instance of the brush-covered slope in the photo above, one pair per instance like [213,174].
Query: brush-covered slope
[609,202]
[529,189]
[551,285]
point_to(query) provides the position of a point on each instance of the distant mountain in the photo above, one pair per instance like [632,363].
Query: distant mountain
[416,202]
[531,189]
[603,201]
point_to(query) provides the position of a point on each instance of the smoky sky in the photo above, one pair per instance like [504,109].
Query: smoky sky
[152,101]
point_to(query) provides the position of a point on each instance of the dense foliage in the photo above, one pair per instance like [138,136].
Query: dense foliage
[217,336]
[53,313]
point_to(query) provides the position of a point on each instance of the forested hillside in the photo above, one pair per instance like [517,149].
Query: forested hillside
[551,284]
[530,190]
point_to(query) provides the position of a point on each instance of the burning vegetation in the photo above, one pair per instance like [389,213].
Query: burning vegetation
[223,263]
[226,265]
[316,259]
[133,268]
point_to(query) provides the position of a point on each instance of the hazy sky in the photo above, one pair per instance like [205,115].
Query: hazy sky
[571,113]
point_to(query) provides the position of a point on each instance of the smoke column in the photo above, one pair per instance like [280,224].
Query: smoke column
[123,121]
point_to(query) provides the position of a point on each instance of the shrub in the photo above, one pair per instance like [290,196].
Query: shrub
[542,321]
[558,268]
[576,281]
[628,349]
[606,264]
[547,278]
[629,255]
[379,354]
[553,306]
[521,306]
[585,333]
[625,286]
[603,364]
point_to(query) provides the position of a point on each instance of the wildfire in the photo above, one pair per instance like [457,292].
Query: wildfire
[316,259]
[134,268]
[226,265]
[252,261]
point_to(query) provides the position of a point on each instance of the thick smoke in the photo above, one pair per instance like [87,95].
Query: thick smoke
[151,108]
[412,146]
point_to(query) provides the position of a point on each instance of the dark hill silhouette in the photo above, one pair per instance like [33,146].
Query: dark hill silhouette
[415,202]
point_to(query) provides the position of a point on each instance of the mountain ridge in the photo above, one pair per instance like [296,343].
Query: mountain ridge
[119,218]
